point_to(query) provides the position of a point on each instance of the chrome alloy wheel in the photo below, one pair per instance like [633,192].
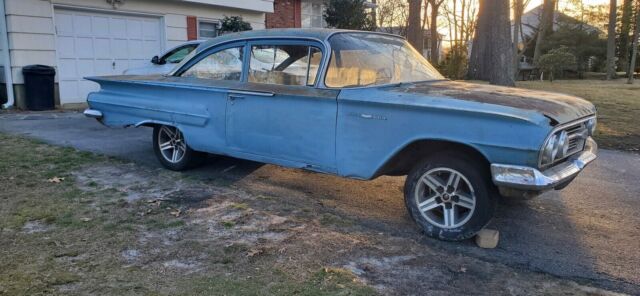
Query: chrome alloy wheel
[445,198]
[171,143]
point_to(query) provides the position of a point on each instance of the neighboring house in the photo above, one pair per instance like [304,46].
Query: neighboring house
[530,22]
[299,14]
[103,37]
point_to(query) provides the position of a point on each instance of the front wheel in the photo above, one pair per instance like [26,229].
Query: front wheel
[172,150]
[450,197]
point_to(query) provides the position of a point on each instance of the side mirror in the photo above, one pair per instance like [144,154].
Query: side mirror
[155,60]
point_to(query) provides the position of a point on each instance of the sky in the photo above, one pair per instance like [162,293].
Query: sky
[535,3]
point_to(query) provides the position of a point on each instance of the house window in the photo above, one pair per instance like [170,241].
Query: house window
[312,14]
[208,29]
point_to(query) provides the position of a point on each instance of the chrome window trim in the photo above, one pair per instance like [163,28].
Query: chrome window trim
[555,130]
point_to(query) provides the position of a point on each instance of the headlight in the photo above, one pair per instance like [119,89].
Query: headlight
[556,148]
[591,126]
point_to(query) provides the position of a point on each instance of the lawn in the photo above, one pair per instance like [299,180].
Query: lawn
[618,106]
[65,231]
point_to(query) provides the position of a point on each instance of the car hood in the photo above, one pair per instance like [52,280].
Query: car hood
[559,107]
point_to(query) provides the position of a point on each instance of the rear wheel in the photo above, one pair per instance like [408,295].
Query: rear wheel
[172,150]
[450,197]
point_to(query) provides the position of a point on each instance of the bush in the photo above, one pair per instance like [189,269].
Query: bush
[455,63]
[348,14]
[556,61]
[234,24]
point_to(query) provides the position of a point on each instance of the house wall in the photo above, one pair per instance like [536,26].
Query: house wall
[31,30]
[286,14]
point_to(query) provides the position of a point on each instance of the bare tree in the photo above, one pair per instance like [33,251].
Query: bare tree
[491,55]
[632,66]
[611,41]
[545,27]
[414,29]
[435,50]
[625,29]
[392,16]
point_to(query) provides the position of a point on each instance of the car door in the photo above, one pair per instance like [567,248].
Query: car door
[279,113]
[202,85]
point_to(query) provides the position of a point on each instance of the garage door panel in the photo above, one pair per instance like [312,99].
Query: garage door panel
[100,26]
[134,29]
[118,27]
[64,24]
[85,68]
[84,47]
[82,25]
[103,67]
[67,69]
[98,44]
[102,48]
[66,47]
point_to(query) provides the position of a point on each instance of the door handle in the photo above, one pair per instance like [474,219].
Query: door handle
[233,98]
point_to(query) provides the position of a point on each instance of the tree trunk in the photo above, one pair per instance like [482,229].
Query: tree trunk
[433,31]
[632,66]
[491,54]
[517,22]
[479,59]
[501,72]
[414,30]
[611,41]
[545,27]
[625,29]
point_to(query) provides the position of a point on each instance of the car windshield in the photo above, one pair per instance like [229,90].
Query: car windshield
[364,59]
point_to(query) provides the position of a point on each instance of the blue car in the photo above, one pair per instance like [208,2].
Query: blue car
[358,105]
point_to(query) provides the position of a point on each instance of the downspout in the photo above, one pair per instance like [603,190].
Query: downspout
[6,57]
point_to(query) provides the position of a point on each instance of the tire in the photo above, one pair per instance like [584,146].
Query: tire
[175,154]
[471,204]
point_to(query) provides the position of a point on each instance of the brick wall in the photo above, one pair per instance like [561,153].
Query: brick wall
[192,28]
[286,14]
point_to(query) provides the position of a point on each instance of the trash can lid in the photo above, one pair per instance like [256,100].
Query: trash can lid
[39,69]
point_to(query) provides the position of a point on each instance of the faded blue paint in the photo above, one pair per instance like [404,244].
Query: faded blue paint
[350,132]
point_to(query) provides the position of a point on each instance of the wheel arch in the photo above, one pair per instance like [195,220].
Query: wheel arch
[403,160]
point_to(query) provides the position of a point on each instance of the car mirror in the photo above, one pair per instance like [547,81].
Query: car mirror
[155,60]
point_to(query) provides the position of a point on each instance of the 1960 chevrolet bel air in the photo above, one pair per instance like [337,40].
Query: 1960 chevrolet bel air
[358,105]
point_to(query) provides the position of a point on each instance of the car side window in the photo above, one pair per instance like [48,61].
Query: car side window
[178,54]
[284,64]
[221,65]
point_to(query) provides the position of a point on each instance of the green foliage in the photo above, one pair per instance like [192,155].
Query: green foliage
[584,43]
[234,24]
[556,61]
[348,14]
[455,63]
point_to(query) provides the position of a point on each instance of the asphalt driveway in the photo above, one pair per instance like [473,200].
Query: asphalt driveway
[589,232]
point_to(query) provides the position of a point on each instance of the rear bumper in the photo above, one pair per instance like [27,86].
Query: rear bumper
[524,181]
[93,113]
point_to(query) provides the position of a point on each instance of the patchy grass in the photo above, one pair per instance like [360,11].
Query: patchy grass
[84,237]
[618,106]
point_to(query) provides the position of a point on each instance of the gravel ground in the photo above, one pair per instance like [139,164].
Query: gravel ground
[588,233]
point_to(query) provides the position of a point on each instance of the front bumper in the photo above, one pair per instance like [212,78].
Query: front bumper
[522,181]
[92,113]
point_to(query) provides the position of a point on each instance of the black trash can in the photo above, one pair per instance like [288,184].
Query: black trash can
[39,87]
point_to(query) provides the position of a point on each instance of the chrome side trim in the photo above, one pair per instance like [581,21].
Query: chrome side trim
[91,113]
[251,93]
[528,178]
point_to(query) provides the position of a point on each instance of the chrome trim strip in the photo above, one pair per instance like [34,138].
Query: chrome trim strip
[91,113]
[528,178]
[555,130]
[251,93]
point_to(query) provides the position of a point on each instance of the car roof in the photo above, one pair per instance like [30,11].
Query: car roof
[312,33]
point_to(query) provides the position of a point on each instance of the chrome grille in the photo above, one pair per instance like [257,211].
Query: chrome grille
[577,135]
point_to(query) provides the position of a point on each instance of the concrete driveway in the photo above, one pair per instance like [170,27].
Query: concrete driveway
[589,232]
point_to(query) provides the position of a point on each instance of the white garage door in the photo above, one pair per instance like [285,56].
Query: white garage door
[96,44]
